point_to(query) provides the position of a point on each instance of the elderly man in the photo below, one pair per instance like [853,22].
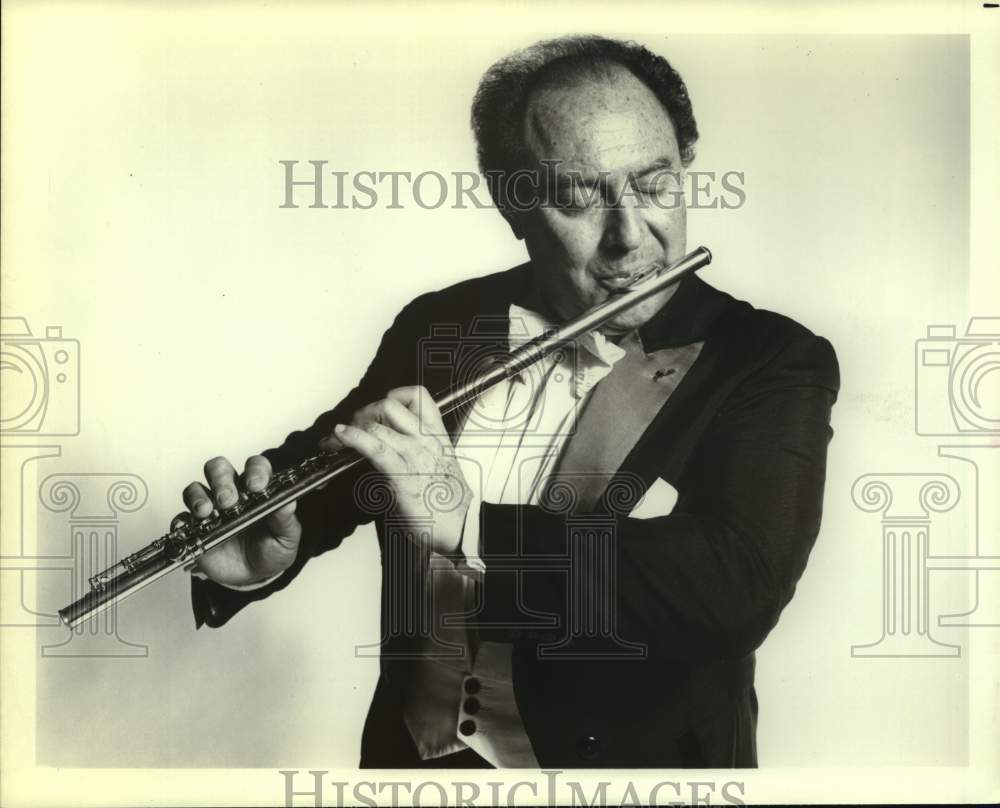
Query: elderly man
[622,525]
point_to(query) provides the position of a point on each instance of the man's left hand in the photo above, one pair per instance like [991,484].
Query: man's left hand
[404,438]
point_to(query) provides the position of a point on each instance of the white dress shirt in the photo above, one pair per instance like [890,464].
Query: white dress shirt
[507,450]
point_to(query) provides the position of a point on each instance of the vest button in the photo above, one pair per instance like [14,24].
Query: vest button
[471,706]
[472,686]
[467,727]
[588,748]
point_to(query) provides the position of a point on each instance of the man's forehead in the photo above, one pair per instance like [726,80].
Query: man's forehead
[599,122]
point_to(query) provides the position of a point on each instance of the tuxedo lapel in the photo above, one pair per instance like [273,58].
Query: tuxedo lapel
[473,330]
[617,414]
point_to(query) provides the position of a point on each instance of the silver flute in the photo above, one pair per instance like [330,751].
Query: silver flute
[190,538]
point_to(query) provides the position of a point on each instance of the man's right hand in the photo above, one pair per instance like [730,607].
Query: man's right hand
[262,550]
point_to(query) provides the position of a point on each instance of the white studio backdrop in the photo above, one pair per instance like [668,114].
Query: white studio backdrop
[211,321]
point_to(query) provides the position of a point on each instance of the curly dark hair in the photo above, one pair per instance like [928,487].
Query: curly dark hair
[501,100]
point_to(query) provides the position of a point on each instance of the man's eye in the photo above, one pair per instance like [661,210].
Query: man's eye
[578,199]
[667,182]
[573,197]
[574,203]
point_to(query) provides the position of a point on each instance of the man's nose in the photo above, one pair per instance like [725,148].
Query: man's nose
[623,225]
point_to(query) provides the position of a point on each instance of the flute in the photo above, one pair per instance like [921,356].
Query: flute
[190,538]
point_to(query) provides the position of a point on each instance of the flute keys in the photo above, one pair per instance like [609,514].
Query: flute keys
[281,479]
[254,497]
[203,527]
[182,520]
[174,549]
[236,508]
[274,485]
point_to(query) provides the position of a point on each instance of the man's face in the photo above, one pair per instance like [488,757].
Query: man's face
[616,207]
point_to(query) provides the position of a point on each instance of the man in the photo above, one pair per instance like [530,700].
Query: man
[545,602]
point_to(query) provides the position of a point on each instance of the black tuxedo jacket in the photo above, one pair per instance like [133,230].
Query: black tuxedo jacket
[691,595]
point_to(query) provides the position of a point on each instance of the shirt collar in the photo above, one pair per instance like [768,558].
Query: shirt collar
[593,359]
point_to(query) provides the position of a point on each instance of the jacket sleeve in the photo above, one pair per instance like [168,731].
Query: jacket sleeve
[709,580]
[328,515]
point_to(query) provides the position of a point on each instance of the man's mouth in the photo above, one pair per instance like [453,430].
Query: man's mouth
[614,288]
[620,286]
[618,282]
